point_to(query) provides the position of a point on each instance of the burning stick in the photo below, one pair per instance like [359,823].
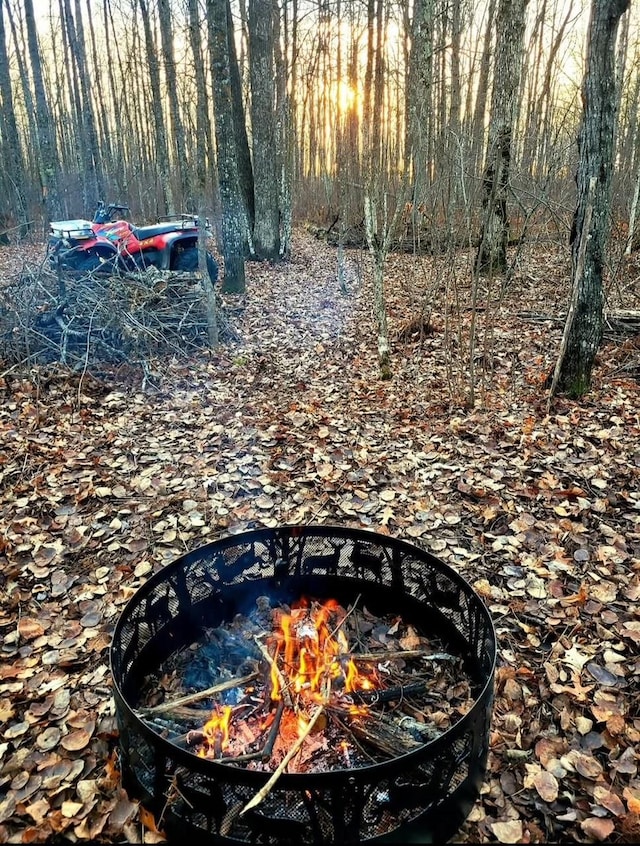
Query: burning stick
[274,666]
[273,733]
[348,614]
[390,694]
[266,789]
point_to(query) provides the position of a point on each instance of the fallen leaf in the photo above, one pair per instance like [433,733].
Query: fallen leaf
[574,658]
[609,800]
[70,809]
[76,740]
[547,786]
[16,730]
[29,629]
[587,765]
[49,738]
[597,827]
[508,832]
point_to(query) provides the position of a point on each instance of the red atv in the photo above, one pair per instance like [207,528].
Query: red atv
[110,243]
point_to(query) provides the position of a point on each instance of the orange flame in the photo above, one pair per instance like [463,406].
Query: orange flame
[216,732]
[312,654]
[309,653]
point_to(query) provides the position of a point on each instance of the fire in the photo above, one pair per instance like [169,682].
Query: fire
[313,656]
[309,662]
[355,680]
[216,732]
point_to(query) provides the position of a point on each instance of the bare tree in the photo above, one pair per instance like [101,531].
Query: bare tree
[206,153]
[583,329]
[242,152]
[235,226]
[85,130]
[9,137]
[510,23]
[179,158]
[419,103]
[381,209]
[162,150]
[48,164]
[266,228]
[285,42]
[203,141]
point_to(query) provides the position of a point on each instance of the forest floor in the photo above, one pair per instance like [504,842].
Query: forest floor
[537,506]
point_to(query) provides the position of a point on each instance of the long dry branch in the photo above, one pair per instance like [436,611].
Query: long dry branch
[228,684]
[266,788]
[402,653]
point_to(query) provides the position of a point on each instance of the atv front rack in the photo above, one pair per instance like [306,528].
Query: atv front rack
[71,230]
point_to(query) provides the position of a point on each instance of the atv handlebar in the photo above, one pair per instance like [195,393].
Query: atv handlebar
[105,214]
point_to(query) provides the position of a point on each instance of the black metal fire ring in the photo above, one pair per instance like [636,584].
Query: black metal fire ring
[421,797]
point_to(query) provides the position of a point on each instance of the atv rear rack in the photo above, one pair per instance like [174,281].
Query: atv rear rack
[187,220]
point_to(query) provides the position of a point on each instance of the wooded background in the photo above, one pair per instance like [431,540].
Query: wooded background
[116,100]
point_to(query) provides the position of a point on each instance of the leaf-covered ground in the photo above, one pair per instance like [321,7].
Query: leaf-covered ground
[539,508]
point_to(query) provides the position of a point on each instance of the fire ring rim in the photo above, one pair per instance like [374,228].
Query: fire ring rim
[210,767]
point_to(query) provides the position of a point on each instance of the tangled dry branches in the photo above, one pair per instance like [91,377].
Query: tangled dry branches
[82,319]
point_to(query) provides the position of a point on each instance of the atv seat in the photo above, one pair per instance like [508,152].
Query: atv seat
[142,232]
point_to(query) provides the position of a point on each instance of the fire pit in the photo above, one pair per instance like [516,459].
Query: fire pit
[315,662]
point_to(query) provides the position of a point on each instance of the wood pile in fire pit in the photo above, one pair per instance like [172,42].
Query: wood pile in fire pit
[309,688]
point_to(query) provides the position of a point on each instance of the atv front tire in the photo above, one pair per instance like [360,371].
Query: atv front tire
[86,262]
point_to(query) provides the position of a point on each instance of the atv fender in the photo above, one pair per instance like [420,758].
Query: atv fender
[174,241]
[104,249]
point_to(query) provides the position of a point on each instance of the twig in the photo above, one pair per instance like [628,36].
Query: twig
[390,694]
[86,357]
[200,694]
[273,732]
[281,679]
[348,614]
[266,789]
[403,653]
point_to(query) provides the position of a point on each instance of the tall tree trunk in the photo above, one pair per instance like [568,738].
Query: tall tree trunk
[456,96]
[104,99]
[122,144]
[234,218]
[266,228]
[31,154]
[179,151]
[203,137]
[480,107]
[47,157]
[204,133]
[92,180]
[286,73]
[419,104]
[380,221]
[546,97]
[591,221]
[243,155]
[11,149]
[494,236]
[161,151]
